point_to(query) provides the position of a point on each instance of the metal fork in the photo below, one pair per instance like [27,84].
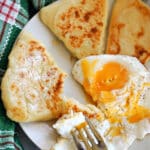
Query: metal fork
[86,137]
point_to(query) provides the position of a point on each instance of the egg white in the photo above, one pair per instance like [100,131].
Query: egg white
[68,122]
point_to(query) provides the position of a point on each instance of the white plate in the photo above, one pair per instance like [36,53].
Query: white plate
[41,133]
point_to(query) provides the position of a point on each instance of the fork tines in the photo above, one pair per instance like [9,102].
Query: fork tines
[86,133]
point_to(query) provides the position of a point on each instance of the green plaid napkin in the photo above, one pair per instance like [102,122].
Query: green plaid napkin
[14,14]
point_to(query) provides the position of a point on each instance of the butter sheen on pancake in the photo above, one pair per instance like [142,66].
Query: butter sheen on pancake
[80,24]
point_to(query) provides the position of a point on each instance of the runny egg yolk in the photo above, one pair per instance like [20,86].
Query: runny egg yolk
[136,112]
[98,84]
[112,76]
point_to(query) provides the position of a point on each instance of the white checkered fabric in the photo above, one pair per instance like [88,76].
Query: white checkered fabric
[8,11]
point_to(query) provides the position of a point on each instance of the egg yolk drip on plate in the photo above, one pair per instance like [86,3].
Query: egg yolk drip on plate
[113,91]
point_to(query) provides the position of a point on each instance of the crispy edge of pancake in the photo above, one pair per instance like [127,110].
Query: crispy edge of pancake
[19,113]
[89,110]
[117,8]
[47,13]
[48,16]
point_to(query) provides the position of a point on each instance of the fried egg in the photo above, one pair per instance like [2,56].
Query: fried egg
[120,87]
